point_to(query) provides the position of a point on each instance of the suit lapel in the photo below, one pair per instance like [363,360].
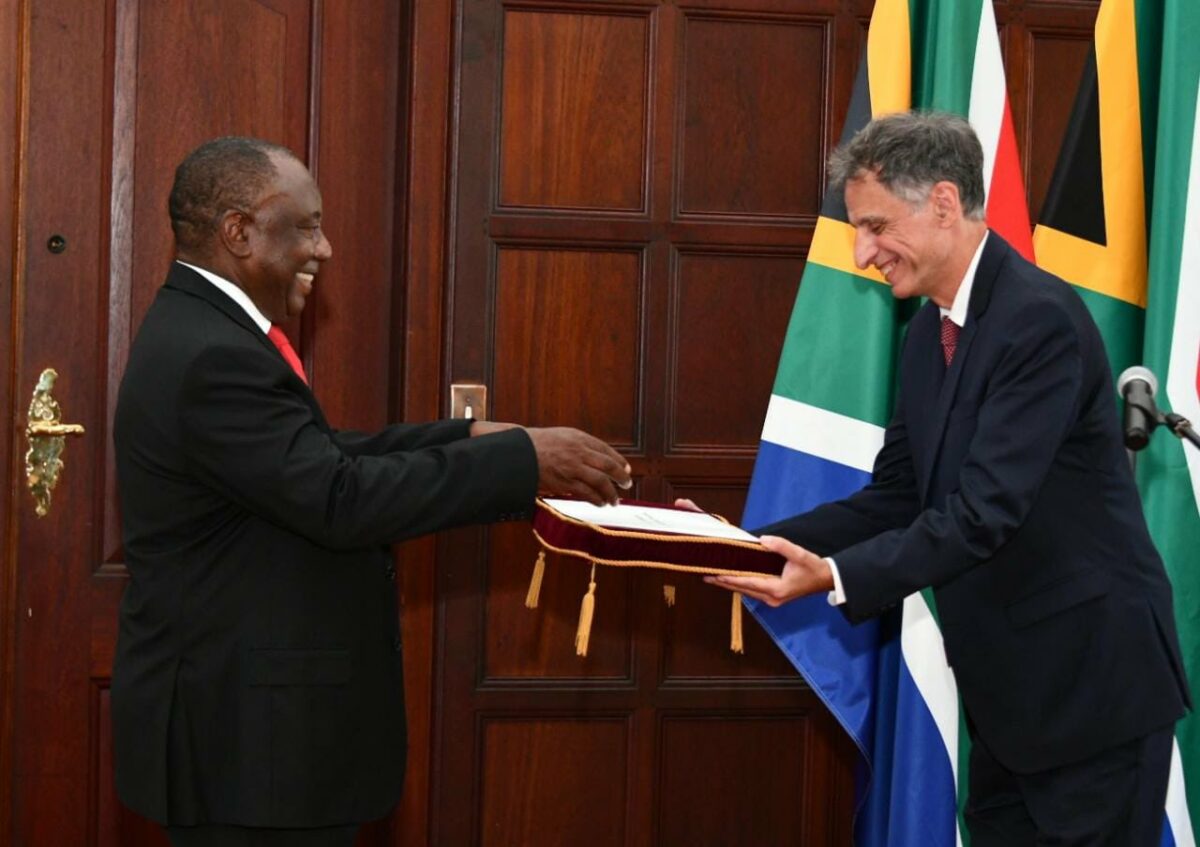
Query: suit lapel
[986,273]
[183,278]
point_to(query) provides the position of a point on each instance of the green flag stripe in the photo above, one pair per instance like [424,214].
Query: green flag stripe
[1162,471]
[1181,70]
[1120,325]
[944,35]
[1148,23]
[848,324]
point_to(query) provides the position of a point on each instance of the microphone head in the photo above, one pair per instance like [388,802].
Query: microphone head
[1137,372]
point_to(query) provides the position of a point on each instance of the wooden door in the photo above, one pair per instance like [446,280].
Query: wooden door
[636,186]
[101,99]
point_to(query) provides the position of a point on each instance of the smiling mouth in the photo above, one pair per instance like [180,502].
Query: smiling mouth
[886,269]
[306,282]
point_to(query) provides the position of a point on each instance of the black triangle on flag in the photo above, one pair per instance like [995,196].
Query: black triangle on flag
[1075,200]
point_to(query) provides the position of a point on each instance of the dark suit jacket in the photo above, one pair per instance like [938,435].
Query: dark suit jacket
[257,679]
[1003,484]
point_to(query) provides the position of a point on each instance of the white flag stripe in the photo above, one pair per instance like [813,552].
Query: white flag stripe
[1177,809]
[988,91]
[1185,340]
[821,433]
[925,656]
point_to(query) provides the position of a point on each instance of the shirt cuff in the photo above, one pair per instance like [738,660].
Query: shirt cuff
[837,597]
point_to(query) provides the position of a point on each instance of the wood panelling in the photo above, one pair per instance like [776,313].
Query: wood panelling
[752,102]
[539,644]
[1056,66]
[653,320]
[730,313]
[526,762]
[353,148]
[567,339]
[262,89]
[12,122]
[574,110]
[713,762]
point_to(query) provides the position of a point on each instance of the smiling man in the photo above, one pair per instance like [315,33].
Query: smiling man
[257,692]
[1003,485]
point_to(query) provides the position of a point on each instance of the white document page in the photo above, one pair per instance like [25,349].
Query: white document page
[650,519]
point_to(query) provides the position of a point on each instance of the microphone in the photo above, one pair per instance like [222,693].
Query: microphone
[1137,387]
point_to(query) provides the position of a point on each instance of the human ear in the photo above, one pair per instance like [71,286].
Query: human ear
[945,199]
[233,230]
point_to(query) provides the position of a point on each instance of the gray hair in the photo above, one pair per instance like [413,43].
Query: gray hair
[909,152]
[219,175]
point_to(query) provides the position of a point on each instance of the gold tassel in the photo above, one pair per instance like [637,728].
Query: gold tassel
[735,625]
[586,610]
[535,581]
[669,594]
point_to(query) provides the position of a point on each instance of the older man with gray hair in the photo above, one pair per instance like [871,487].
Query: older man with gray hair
[1003,485]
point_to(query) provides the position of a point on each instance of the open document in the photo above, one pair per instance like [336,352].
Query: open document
[650,519]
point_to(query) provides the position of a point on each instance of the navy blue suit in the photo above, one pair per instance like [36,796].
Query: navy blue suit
[1003,483]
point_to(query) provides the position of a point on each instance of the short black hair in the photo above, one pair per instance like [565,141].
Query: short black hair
[221,174]
[909,152]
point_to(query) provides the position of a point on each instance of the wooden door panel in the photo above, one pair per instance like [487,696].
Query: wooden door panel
[751,101]
[575,106]
[567,339]
[727,778]
[581,764]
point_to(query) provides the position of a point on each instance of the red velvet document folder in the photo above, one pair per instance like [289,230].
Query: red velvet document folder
[637,548]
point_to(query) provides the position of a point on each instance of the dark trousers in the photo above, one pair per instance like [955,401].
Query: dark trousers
[1115,799]
[241,836]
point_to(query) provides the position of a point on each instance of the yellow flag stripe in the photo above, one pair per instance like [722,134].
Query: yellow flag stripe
[889,58]
[833,247]
[1117,269]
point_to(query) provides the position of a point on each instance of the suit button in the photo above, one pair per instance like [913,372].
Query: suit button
[396,644]
[390,572]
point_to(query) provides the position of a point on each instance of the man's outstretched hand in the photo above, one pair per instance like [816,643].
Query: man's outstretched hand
[572,462]
[804,573]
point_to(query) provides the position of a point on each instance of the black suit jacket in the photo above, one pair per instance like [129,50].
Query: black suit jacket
[257,678]
[1003,483]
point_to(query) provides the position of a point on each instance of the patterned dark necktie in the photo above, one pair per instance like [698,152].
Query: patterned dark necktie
[950,332]
[280,340]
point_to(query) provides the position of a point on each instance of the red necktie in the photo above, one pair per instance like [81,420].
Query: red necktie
[289,354]
[949,339]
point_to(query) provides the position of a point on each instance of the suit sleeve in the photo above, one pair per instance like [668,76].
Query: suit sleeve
[253,439]
[1032,402]
[399,437]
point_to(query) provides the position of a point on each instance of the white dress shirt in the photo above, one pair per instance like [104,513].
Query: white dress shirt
[235,294]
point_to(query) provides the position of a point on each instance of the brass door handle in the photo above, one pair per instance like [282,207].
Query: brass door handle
[47,436]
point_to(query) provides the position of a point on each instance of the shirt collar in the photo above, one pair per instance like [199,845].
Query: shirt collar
[958,309]
[233,293]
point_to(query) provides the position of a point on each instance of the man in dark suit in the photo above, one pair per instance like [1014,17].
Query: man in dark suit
[1003,484]
[257,691]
